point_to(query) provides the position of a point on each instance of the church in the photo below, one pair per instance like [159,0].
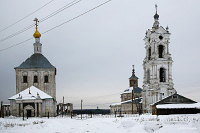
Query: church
[35,84]
[158,95]
[131,98]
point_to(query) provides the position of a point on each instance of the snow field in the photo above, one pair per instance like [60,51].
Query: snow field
[104,124]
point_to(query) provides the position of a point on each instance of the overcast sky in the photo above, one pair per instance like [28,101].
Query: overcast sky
[94,54]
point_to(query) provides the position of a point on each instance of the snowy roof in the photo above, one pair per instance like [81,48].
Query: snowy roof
[178,106]
[129,90]
[30,94]
[128,101]
[175,94]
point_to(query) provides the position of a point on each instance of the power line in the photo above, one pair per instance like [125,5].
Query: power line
[42,20]
[26,16]
[15,44]
[59,25]
[60,10]
[77,17]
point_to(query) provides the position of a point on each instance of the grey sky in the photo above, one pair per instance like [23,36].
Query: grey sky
[94,54]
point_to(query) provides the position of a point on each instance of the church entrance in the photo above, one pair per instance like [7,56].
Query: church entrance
[29,113]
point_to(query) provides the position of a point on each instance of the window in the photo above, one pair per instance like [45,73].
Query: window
[162,75]
[35,79]
[160,51]
[46,79]
[149,53]
[25,79]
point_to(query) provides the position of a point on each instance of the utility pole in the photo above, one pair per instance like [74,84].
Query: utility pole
[81,107]
[132,100]
[63,104]
[2,110]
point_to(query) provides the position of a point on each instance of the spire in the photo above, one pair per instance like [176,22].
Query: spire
[133,74]
[156,17]
[133,71]
[37,35]
[133,80]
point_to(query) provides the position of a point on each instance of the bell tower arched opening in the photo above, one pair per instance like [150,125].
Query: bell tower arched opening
[162,75]
[160,51]
[148,76]
[149,53]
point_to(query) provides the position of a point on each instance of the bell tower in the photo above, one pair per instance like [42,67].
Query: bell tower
[157,65]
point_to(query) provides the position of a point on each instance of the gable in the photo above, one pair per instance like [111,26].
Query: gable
[31,93]
[175,99]
[161,30]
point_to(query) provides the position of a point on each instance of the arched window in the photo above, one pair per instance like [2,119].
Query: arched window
[160,51]
[148,76]
[149,53]
[162,75]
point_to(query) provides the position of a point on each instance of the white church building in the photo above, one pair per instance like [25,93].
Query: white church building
[157,65]
[35,85]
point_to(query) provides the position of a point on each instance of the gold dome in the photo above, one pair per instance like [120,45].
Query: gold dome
[37,34]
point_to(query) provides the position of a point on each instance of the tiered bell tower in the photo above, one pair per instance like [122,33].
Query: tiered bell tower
[157,65]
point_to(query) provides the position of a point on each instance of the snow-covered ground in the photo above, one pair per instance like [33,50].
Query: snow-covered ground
[104,124]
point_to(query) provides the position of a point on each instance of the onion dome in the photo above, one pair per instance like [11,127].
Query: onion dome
[37,33]
[156,16]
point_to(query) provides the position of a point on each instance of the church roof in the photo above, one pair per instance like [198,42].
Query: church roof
[169,100]
[135,90]
[36,61]
[31,93]
[133,77]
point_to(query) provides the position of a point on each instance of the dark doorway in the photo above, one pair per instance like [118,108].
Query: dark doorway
[29,112]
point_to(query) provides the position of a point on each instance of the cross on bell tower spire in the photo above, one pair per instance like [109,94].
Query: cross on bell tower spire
[156,6]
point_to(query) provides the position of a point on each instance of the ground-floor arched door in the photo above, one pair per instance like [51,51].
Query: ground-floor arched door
[29,112]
